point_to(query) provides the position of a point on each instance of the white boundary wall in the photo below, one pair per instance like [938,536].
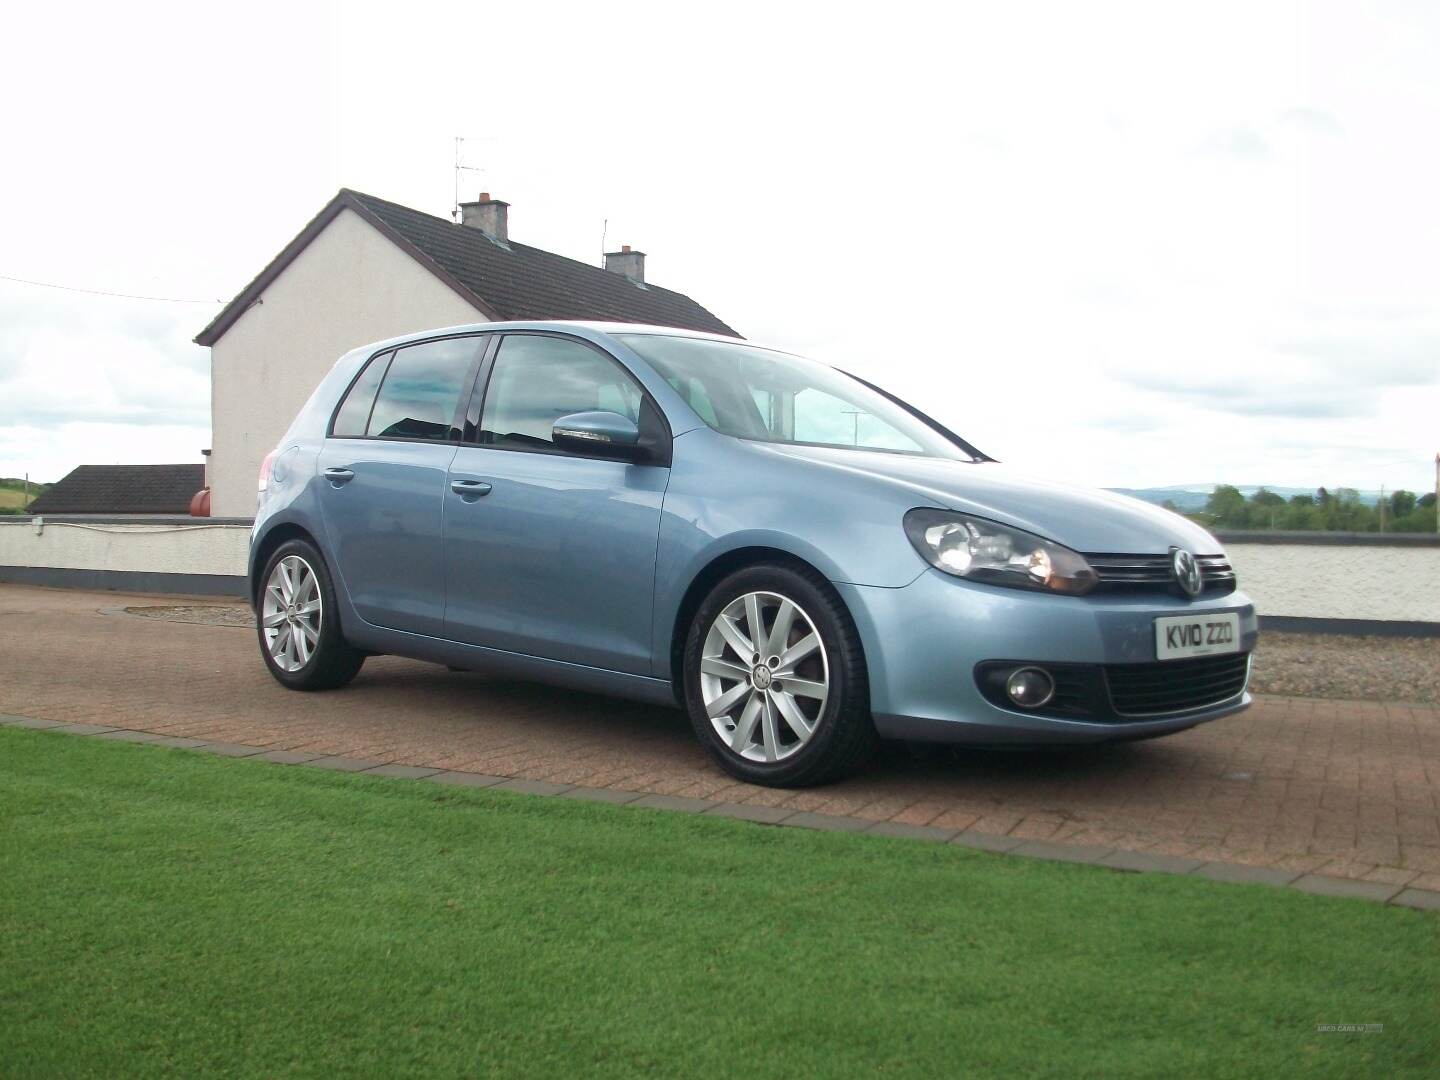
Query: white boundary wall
[1340,581]
[201,548]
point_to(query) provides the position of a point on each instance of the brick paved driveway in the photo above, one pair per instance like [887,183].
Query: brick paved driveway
[1351,789]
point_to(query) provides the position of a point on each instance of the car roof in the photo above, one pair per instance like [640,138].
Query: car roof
[583,328]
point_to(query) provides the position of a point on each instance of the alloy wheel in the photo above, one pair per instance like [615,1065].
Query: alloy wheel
[291,613]
[764,676]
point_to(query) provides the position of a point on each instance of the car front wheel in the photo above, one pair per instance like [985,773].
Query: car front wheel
[298,624]
[775,679]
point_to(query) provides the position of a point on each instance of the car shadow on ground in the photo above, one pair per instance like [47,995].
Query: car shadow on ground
[562,717]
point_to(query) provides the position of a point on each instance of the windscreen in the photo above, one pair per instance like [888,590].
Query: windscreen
[770,396]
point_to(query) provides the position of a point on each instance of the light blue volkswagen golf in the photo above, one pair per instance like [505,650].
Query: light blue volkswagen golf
[803,562]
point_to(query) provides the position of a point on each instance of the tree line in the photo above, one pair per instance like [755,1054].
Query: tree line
[1328,510]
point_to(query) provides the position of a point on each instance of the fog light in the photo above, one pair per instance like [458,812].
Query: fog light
[1030,687]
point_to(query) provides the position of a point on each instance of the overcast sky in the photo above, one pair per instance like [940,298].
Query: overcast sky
[1120,244]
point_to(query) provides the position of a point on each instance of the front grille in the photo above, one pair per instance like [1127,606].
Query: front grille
[1153,573]
[1175,686]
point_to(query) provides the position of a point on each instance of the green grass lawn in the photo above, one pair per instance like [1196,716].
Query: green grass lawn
[170,913]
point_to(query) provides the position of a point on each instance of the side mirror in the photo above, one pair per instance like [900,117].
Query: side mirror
[601,433]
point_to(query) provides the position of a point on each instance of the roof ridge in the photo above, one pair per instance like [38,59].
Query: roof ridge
[650,285]
[504,282]
[514,243]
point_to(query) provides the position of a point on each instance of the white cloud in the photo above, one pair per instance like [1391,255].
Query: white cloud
[1237,142]
[1312,121]
[88,380]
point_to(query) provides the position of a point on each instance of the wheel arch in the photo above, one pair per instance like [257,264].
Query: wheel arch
[711,574]
[265,547]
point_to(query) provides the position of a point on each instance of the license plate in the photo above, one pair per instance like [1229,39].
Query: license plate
[1179,636]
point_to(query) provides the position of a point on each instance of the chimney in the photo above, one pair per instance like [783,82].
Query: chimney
[490,216]
[627,262]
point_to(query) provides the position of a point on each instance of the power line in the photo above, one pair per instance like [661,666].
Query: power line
[100,292]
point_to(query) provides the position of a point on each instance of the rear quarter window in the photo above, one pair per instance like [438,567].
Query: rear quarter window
[353,415]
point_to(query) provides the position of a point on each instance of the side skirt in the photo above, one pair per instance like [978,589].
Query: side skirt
[376,639]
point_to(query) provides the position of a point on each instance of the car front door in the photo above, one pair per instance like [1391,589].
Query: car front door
[548,552]
[383,477]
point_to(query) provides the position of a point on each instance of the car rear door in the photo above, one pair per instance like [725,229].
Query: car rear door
[548,552]
[383,475]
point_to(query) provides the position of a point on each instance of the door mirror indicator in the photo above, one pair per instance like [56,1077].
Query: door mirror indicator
[601,433]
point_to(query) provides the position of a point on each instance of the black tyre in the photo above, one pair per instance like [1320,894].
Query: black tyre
[298,622]
[775,680]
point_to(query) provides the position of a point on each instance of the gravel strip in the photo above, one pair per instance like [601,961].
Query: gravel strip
[1350,668]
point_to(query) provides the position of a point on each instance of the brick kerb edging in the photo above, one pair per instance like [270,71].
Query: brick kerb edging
[1118,859]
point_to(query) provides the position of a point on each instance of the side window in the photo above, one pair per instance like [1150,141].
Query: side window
[417,400]
[537,379]
[354,411]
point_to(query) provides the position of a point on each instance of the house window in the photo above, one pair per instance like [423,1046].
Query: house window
[421,390]
[354,412]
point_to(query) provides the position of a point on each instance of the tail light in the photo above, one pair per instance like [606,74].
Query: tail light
[265,471]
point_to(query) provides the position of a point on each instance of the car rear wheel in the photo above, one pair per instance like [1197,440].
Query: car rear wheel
[298,624]
[775,679]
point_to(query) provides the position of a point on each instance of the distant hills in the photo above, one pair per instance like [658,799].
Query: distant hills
[1191,497]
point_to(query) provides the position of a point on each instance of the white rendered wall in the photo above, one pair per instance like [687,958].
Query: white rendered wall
[156,549]
[350,286]
[1340,581]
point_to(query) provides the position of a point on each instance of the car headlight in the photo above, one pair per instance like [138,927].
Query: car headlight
[980,550]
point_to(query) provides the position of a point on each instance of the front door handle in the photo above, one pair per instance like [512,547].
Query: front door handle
[339,477]
[470,490]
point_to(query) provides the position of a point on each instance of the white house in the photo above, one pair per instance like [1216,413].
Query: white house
[365,269]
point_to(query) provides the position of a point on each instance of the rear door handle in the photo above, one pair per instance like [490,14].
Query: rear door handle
[339,477]
[470,490]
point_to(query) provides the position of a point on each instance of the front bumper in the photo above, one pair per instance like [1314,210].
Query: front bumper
[924,641]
